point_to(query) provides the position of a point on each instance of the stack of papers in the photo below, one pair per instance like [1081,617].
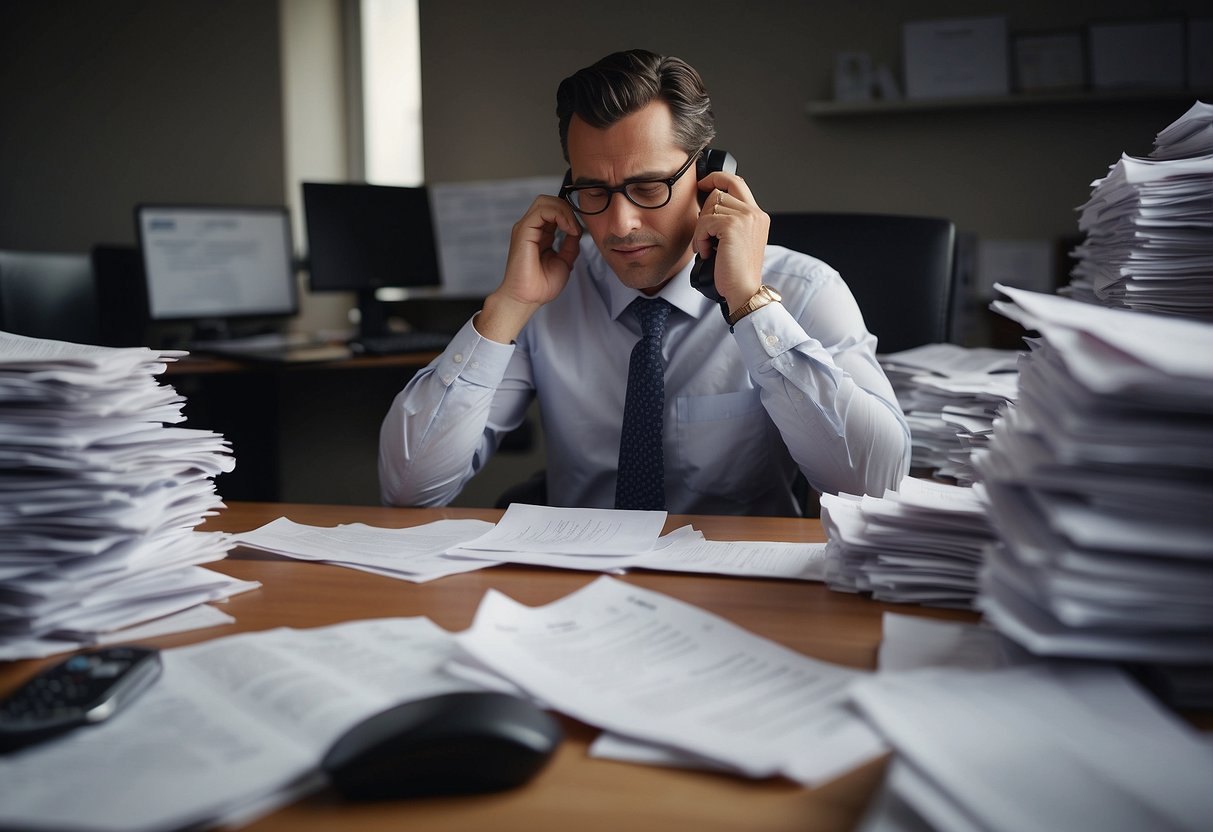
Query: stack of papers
[986,737]
[1100,482]
[1149,227]
[99,497]
[1189,136]
[950,395]
[924,543]
[1035,746]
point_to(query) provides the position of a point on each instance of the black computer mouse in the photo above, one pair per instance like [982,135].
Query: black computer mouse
[452,743]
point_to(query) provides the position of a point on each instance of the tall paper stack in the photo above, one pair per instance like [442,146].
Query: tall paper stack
[1149,226]
[1100,484]
[950,395]
[99,496]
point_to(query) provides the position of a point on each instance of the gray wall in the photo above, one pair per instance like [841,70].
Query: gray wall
[490,70]
[106,104]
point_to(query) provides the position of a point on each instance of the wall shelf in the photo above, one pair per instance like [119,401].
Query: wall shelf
[876,107]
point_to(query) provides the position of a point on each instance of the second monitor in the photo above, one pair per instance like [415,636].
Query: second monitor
[362,238]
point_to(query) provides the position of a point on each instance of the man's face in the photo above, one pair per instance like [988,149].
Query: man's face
[644,246]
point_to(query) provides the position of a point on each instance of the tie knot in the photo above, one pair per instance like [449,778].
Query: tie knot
[652,314]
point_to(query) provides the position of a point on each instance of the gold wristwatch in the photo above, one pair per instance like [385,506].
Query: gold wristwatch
[761,298]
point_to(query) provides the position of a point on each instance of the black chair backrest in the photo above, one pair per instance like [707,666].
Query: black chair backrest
[46,295]
[899,268]
[121,295]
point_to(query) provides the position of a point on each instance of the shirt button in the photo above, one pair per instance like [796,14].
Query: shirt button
[474,364]
[457,358]
[771,339]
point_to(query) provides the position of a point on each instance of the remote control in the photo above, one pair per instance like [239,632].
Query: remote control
[82,690]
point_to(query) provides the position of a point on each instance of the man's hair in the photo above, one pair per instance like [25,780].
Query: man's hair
[624,82]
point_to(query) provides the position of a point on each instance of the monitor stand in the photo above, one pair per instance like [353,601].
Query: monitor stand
[376,337]
[372,315]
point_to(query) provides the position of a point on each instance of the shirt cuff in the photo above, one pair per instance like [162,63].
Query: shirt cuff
[473,359]
[767,333]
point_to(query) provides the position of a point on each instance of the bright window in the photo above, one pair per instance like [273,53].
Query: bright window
[391,90]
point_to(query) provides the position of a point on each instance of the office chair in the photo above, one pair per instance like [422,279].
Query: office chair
[48,296]
[899,268]
[121,295]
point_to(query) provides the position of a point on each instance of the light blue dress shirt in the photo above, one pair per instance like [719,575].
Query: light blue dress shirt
[796,385]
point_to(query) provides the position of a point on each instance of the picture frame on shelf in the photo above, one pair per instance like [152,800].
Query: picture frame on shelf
[956,57]
[1052,61]
[1137,54]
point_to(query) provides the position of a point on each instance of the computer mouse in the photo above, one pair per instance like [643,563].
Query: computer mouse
[452,743]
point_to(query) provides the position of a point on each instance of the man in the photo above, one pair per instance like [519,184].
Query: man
[792,384]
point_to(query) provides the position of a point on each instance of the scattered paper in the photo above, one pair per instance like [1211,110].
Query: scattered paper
[651,668]
[414,553]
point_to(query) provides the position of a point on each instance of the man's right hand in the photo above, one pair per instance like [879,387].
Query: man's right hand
[535,273]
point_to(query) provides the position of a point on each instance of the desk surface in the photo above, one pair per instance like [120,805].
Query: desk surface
[201,364]
[574,792]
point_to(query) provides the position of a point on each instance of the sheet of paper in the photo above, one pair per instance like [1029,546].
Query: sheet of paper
[911,642]
[1175,346]
[472,223]
[572,531]
[652,668]
[952,359]
[414,553]
[752,558]
[996,744]
[233,726]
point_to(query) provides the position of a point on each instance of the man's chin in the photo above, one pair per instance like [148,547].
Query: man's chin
[639,276]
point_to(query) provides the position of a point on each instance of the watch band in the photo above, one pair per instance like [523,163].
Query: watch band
[759,299]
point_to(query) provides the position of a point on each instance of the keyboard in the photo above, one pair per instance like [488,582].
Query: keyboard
[396,343]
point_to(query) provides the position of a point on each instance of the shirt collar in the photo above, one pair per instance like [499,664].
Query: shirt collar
[678,292]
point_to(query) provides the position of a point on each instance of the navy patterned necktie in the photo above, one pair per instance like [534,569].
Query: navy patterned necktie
[641,483]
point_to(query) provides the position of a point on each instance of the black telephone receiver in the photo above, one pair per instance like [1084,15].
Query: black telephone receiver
[703,273]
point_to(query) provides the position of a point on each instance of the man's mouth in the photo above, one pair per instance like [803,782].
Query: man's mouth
[632,252]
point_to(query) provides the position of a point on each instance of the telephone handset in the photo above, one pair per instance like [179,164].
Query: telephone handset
[703,275]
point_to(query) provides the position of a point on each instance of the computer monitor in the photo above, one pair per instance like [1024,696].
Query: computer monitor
[210,265]
[362,238]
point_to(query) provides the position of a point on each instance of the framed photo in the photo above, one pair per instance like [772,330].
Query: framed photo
[1049,61]
[1137,55]
[956,57]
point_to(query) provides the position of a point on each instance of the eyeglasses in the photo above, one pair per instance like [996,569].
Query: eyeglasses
[643,193]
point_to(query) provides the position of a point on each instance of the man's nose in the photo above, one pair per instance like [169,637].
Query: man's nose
[622,216]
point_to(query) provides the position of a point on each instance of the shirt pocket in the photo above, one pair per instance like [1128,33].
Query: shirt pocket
[723,442]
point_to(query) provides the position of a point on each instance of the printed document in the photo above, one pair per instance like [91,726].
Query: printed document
[414,553]
[571,531]
[233,726]
[652,668]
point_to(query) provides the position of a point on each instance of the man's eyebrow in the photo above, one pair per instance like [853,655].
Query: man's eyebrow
[643,176]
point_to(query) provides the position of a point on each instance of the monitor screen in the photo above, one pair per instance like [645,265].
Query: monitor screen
[217,262]
[364,237]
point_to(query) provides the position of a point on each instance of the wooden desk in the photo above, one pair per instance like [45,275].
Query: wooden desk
[574,792]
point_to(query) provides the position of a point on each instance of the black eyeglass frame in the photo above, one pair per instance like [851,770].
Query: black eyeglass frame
[567,190]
